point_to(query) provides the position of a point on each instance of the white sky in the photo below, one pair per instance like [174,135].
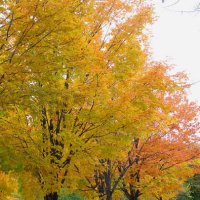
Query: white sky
[177,39]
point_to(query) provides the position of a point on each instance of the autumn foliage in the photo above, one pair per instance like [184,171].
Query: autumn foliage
[84,109]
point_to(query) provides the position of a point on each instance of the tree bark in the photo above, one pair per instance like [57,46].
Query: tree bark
[133,195]
[109,196]
[51,196]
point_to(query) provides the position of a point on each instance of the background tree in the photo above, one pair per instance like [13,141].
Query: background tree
[156,159]
[192,189]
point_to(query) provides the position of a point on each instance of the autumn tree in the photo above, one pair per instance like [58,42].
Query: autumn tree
[153,164]
[58,83]
[76,89]
[43,49]
[167,155]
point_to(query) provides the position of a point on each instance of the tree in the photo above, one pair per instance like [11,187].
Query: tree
[192,186]
[76,89]
[58,84]
[157,163]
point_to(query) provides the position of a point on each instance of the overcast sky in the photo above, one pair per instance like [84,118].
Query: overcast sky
[177,39]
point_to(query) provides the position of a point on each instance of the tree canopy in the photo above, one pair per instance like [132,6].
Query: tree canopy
[82,106]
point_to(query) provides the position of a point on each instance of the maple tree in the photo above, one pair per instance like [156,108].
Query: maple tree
[76,87]
[157,165]
[165,158]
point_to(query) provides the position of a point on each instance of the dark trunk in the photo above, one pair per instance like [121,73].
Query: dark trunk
[108,181]
[133,196]
[51,196]
[137,194]
[132,193]
[109,196]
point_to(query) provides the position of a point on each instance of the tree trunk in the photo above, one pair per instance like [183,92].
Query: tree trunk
[108,181]
[134,196]
[51,196]
[109,197]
